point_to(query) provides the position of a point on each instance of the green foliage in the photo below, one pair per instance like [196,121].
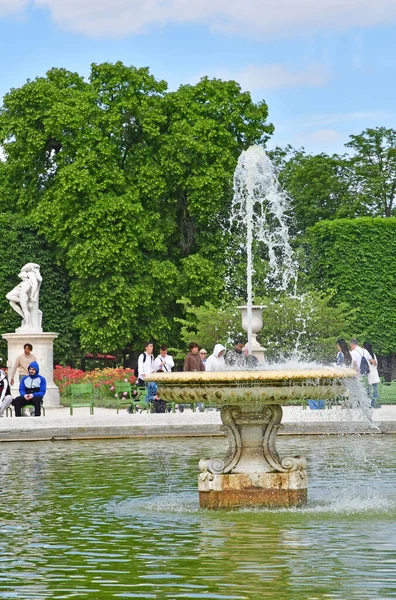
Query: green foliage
[357,260]
[374,164]
[20,244]
[320,186]
[131,184]
[305,328]
[348,186]
[208,325]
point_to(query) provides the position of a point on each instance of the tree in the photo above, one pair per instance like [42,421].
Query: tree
[374,163]
[131,184]
[304,328]
[320,186]
[208,325]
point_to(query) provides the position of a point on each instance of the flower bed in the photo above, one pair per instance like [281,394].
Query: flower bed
[103,381]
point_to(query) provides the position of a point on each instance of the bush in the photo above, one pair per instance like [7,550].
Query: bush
[356,260]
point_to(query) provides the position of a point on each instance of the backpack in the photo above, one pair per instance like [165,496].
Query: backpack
[136,369]
[364,366]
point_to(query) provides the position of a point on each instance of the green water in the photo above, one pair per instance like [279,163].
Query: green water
[120,519]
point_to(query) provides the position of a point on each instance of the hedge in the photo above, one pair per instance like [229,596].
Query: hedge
[356,258]
[20,244]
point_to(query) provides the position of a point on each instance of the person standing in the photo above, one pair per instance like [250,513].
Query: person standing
[22,363]
[164,361]
[216,360]
[357,353]
[193,362]
[5,393]
[344,358]
[202,354]
[145,363]
[235,358]
[373,377]
[32,390]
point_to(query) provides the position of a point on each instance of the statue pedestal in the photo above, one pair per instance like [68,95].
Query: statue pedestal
[43,350]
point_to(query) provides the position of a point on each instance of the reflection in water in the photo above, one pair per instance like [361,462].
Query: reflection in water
[121,520]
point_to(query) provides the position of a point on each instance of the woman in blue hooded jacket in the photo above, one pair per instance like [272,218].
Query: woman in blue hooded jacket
[31,389]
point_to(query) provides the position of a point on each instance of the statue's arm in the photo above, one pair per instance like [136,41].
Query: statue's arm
[34,290]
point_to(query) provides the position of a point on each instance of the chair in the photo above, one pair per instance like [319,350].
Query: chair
[123,399]
[31,407]
[81,395]
[141,401]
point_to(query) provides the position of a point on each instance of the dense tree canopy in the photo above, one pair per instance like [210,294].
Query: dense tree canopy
[131,184]
[361,183]
[121,190]
[374,164]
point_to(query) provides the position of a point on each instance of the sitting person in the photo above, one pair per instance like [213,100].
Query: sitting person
[5,392]
[32,389]
[152,396]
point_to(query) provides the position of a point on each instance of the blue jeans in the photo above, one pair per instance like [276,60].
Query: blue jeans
[373,393]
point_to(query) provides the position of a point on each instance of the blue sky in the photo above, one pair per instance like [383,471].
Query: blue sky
[326,68]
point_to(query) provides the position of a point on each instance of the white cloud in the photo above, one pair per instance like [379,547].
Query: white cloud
[274,76]
[11,6]
[266,18]
[319,140]
[325,136]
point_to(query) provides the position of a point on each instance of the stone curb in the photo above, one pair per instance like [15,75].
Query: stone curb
[182,430]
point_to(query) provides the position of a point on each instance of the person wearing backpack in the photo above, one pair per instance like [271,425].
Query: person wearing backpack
[360,358]
[145,364]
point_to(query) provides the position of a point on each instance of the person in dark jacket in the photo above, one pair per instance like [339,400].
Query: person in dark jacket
[235,359]
[5,392]
[32,390]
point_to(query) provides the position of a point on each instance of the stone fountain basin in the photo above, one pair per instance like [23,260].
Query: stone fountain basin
[252,473]
[252,388]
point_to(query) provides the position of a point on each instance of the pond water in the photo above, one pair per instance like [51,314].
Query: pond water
[120,519]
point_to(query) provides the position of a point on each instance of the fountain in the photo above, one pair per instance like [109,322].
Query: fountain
[252,473]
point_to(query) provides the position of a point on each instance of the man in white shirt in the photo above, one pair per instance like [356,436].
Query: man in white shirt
[164,361]
[357,352]
[145,363]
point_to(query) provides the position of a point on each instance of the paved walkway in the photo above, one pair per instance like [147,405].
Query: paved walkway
[105,423]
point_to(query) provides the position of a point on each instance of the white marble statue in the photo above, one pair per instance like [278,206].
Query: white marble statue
[24,298]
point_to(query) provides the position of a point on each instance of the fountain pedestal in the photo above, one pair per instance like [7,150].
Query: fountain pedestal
[252,474]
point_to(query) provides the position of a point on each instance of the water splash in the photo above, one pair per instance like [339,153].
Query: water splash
[260,218]
[261,208]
